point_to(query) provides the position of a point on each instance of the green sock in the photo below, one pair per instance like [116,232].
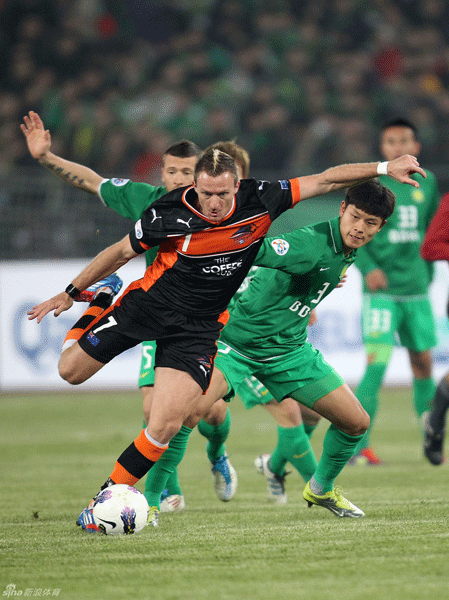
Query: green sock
[173,486]
[159,473]
[338,447]
[423,393]
[216,436]
[309,429]
[293,446]
[368,395]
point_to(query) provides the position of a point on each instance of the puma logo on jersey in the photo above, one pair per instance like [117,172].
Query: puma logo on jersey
[185,222]
[154,215]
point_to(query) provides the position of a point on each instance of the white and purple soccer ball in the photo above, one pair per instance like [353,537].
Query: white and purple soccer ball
[120,510]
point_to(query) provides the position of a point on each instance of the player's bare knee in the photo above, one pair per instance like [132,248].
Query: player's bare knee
[217,414]
[164,432]
[69,370]
[361,424]
[69,374]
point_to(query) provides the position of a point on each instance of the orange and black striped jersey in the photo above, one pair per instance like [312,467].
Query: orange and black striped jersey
[200,264]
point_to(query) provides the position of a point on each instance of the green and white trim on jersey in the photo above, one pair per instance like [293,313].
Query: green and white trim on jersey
[266,335]
[302,268]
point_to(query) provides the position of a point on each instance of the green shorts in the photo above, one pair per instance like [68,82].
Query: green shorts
[411,318]
[253,393]
[302,374]
[146,376]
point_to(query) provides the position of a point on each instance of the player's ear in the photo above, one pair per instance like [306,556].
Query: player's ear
[383,223]
[343,206]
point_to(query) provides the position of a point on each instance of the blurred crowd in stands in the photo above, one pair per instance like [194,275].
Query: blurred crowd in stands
[301,84]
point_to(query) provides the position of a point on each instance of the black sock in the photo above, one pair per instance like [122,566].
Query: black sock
[440,405]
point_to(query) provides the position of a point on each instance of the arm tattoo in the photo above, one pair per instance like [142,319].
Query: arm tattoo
[67,175]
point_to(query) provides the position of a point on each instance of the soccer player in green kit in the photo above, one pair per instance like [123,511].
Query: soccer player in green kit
[266,335]
[130,201]
[396,281]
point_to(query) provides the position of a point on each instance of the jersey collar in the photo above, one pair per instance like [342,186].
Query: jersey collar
[334,228]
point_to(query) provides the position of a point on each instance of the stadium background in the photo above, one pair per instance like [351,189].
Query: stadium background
[302,85]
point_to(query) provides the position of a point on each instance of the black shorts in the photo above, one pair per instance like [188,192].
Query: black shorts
[183,343]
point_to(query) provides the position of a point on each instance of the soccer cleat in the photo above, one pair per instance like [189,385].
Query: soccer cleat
[86,521]
[334,501]
[433,442]
[225,478]
[109,285]
[172,502]
[275,483]
[366,457]
[153,516]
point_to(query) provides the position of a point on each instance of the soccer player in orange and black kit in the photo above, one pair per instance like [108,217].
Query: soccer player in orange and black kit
[208,234]
[130,201]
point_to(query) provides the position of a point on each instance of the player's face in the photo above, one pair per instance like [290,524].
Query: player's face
[357,227]
[397,141]
[215,195]
[177,172]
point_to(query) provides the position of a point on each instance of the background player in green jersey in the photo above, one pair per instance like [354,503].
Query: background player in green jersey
[396,281]
[266,335]
[130,201]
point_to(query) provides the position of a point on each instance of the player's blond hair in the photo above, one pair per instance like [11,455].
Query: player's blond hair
[214,162]
[239,154]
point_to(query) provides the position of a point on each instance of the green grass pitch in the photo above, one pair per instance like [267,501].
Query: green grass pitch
[57,449]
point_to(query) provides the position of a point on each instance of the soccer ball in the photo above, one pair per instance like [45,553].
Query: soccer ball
[120,509]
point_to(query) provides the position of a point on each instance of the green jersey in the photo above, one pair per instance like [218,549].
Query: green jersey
[396,248]
[304,266]
[130,199]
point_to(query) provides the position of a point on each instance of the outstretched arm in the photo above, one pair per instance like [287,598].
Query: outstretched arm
[344,176]
[38,141]
[102,265]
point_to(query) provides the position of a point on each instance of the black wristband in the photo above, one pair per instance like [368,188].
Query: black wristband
[72,291]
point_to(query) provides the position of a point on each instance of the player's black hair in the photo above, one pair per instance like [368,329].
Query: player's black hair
[400,123]
[183,149]
[214,162]
[372,197]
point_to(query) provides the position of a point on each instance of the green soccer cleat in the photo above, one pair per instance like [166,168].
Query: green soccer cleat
[153,516]
[334,501]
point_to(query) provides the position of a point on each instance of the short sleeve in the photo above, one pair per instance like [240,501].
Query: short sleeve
[128,198]
[293,253]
